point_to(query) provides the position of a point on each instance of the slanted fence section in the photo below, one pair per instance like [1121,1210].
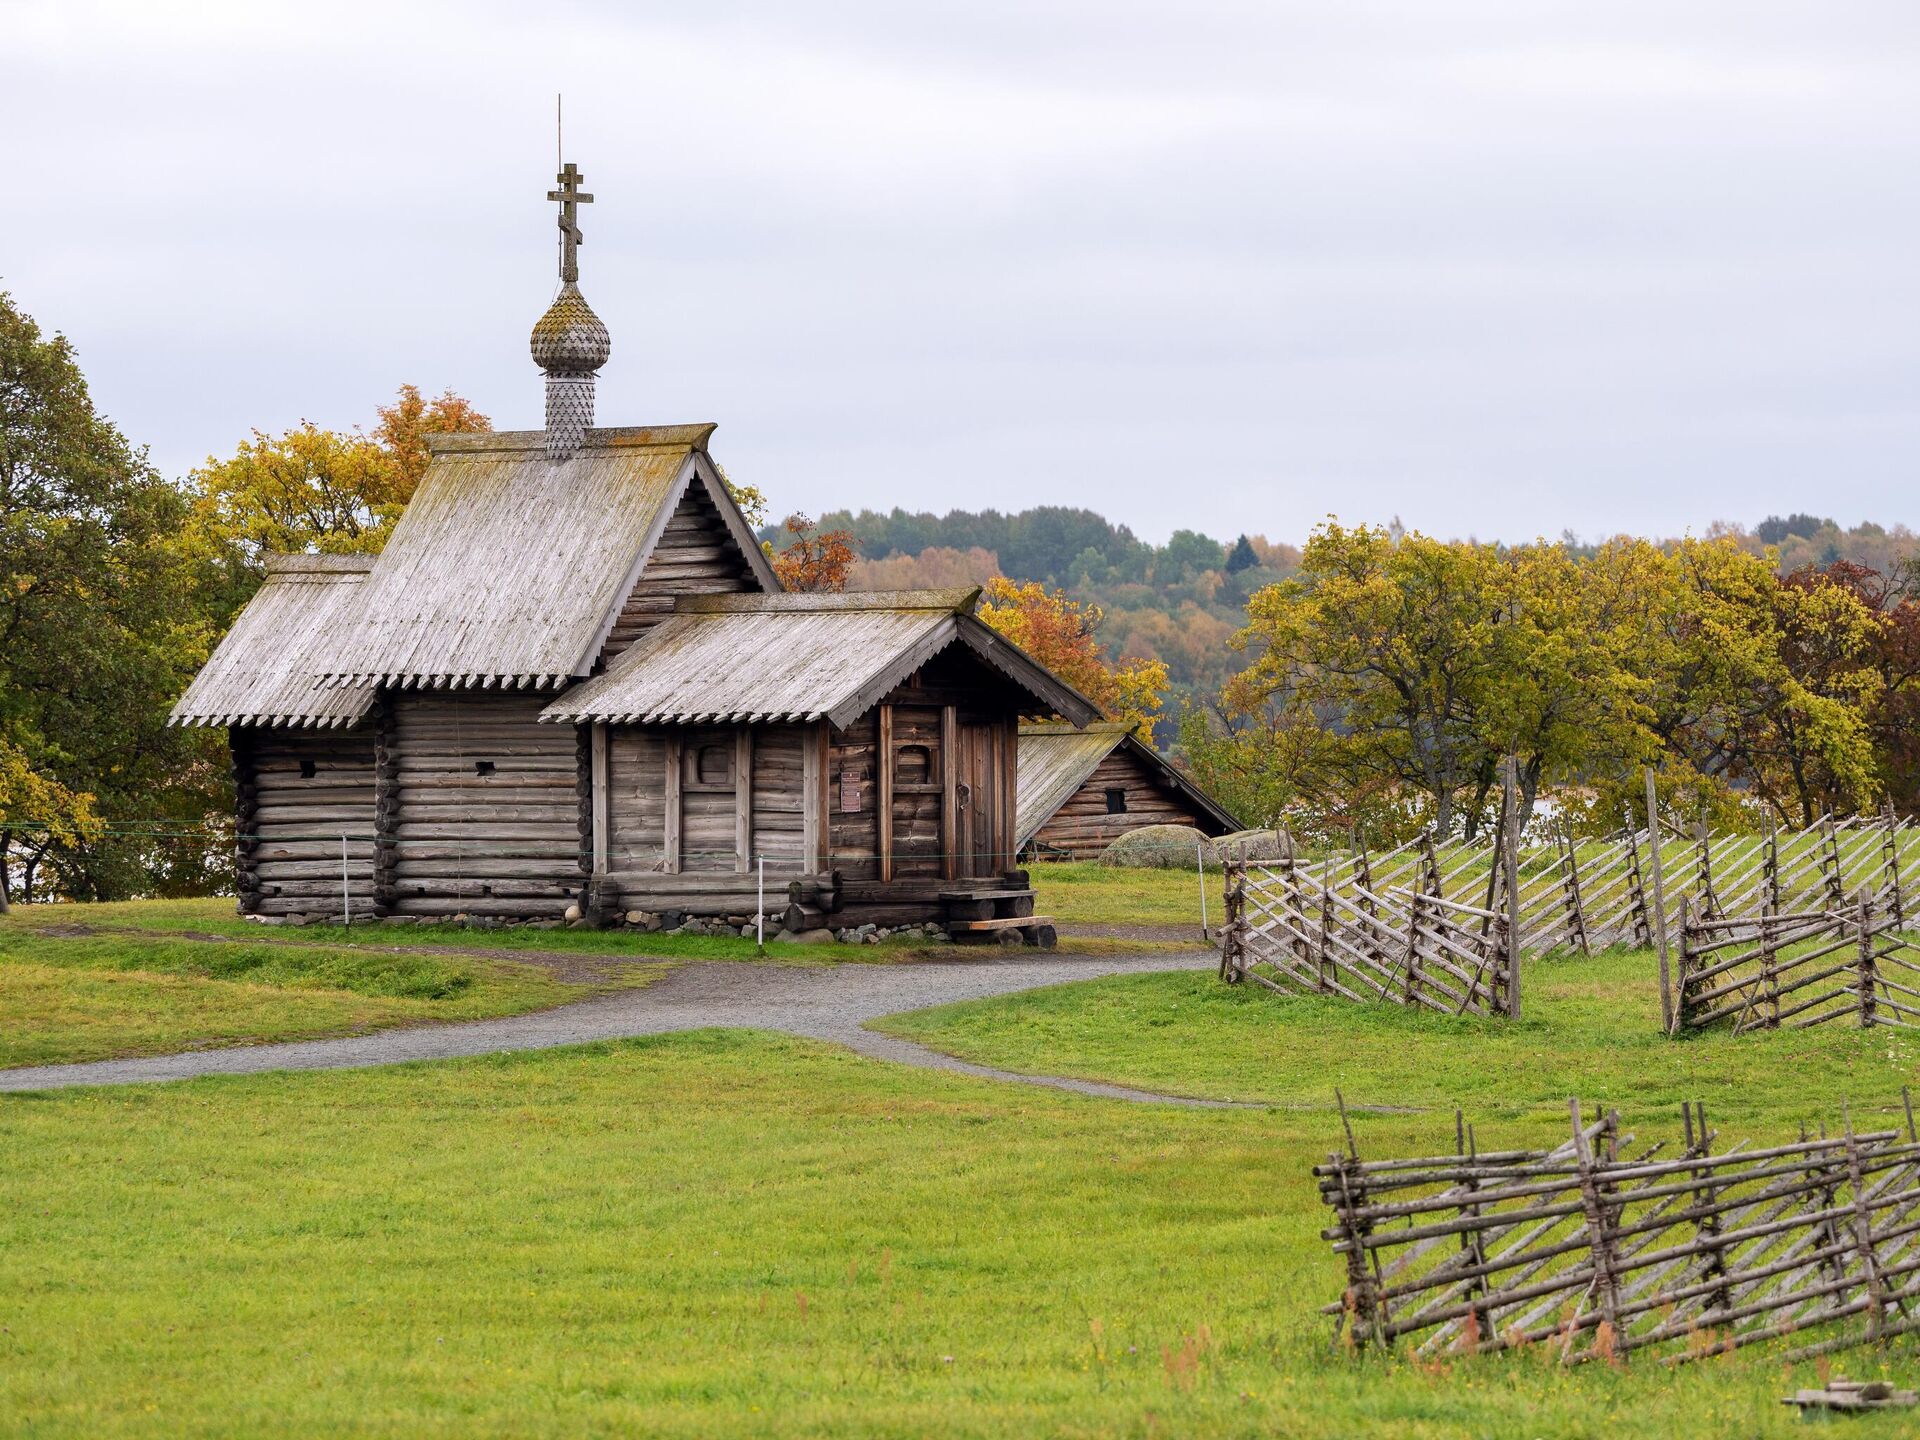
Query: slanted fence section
[1297,934]
[1600,1247]
[1580,896]
[1761,972]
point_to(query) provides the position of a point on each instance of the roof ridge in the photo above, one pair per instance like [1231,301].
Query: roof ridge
[612,437]
[1064,727]
[953,600]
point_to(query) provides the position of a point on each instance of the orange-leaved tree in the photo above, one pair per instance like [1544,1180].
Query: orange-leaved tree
[814,559]
[1059,633]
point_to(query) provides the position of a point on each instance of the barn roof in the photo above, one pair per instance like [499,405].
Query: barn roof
[263,672]
[732,658]
[509,569]
[1054,761]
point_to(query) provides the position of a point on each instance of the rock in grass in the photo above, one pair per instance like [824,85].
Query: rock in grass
[1160,847]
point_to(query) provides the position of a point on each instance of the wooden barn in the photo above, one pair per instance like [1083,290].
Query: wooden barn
[1081,788]
[570,680]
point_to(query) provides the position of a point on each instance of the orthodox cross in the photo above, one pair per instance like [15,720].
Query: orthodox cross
[570,197]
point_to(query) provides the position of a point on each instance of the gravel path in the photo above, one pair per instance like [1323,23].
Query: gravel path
[825,1003]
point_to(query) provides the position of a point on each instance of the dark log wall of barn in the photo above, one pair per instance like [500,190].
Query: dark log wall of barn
[696,556]
[1085,826]
[487,811]
[298,793]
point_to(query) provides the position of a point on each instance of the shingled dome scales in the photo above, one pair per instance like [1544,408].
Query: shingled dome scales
[569,342]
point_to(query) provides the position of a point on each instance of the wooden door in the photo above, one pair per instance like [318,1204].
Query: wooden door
[985,775]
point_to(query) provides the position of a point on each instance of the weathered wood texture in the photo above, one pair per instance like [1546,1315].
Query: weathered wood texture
[703,794]
[1292,932]
[297,794]
[1087,823]
[488,806]
[1768,971]
[695,555]
[1598,1250]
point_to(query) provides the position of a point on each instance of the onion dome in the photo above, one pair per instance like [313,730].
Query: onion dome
[570,339]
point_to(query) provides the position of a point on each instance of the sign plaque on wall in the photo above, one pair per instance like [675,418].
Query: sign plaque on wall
[851,782]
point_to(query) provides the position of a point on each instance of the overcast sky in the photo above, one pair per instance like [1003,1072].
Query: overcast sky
[1496,268]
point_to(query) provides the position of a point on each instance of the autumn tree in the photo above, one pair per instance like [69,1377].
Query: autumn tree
[1059,633]
[311,490]
[98,634]
[813,559]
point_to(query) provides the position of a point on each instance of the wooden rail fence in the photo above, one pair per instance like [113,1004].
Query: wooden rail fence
[1601,1247]
[1578,896]
[1404,947]
[1760,972]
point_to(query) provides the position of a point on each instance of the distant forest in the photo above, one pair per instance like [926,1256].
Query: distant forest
[1181,603]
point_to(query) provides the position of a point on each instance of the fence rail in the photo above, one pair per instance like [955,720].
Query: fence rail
[1601,1248]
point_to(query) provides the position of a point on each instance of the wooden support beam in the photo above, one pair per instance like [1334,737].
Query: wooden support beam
[743,799]
[813,801]
[949,792]
[670,840]
[602,798]
[883,764]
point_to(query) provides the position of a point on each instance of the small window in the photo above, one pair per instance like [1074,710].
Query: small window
[913,765]
[308,769]
[483,767]
[1116,801]
[713,764]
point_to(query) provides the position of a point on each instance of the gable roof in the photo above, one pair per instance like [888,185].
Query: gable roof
[263,672]
[1054,761]
[508,568]
[735,658]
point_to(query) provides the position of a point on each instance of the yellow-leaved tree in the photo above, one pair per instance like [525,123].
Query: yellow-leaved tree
[1059,633]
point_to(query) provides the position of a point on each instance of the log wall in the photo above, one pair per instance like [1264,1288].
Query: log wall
[297,793]
[675,804]
[1084,826]
[487,812]
[695,556]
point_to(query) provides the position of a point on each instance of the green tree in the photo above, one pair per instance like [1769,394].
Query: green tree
[1242,557]
[99,631]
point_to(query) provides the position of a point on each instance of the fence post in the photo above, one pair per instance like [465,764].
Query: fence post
[1200,862]
[1706,1193]
[1890,848]
[1637,908]
[1863,1232]
[1866,977]
[1659,903]
[1233,937]
[1415,978]
[1600,1226]
[1830,862]
[1703,873]
[1326,969]
[1682,1011]
[1576,909]
[1770,868]
[1769,974]
[346,886]
[1510,848]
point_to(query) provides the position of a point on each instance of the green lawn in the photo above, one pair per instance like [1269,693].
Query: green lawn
[1591,1027]
[89,998]
[727,1234]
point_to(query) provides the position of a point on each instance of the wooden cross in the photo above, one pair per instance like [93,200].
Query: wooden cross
[570,197]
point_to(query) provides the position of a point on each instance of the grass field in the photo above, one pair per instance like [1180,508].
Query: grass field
[1591,1027]
[83,982]
[724,1233]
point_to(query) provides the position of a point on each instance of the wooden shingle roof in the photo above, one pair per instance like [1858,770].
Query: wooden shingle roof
[508,569]
[764,658]
[264,672]
[1054,761]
